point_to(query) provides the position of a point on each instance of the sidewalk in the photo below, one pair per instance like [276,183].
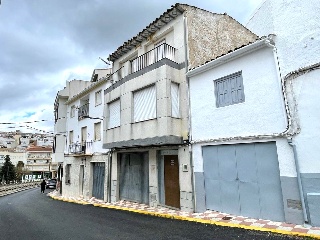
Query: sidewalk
[208,217]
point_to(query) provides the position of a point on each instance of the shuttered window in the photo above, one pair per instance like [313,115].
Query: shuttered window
[97,131]
[145,104]
[98,98]
[175,108]
[71,137]
[114,114]
[229,90]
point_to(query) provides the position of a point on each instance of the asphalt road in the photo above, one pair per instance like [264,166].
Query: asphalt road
[32,215]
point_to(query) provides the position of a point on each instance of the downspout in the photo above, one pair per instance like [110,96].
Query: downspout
[189,111]
[303,204]
[109,176]
[289,139]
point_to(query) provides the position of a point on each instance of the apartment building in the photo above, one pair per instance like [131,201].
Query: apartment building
[78,137]
[146,108]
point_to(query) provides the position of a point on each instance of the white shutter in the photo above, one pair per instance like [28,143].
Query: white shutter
[97,131]
[145,104]
[175,110]
[114,114]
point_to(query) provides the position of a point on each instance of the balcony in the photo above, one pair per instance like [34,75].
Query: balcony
[154,55]
[80,148]
[83,111]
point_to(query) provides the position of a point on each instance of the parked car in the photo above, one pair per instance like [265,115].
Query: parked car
[51,183]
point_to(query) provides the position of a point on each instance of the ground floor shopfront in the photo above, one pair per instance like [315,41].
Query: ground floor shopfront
[154,176]
[85,176]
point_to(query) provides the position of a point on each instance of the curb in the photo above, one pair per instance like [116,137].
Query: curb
[182,218]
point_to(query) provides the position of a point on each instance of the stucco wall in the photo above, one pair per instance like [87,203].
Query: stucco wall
[75,125]
[307,99]
[212,35]
[262,112]
[296,25]
[73,189]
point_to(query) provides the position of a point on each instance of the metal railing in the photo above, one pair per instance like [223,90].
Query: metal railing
[162,51]
[80,148]
[83,111]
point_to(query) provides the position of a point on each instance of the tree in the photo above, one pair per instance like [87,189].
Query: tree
[19,171]
[8,171]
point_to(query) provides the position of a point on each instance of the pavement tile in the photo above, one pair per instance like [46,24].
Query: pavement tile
[300,230]
[285,228]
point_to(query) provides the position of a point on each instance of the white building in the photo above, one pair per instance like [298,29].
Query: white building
[296,26]
[78,143]
[255,124]
[237,126]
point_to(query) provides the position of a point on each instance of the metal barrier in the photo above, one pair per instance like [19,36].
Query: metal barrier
[14,188]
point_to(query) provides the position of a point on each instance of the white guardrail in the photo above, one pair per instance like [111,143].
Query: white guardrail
[14,188]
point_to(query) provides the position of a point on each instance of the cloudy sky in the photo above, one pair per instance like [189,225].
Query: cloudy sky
[44,43]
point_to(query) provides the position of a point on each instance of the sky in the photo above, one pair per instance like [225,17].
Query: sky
[44,43]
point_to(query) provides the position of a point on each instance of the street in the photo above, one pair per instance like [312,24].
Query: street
[32,215]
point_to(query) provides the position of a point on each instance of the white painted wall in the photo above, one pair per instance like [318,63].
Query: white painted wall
[73,124]
[261,113]
[306,89]
[296,24]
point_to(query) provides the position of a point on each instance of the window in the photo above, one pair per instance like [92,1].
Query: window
[73,111]
[98,98]
[114,114]
[83,134]
[145,104]
[175,108]
[70,137]
[67,176]
[229,90]
[97,131]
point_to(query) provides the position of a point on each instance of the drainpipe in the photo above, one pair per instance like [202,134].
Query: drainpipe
[109,177]
[189,111]
[295,155]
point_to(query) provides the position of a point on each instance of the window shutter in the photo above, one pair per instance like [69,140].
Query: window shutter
[97,131]
[144,104]
[175,111]
[229,90]
[114,114]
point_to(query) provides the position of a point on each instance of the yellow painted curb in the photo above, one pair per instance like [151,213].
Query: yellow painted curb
[199,220]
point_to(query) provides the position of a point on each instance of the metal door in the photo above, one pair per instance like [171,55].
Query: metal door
[134,177]
[81,180]
[98,180]
[244,179]
[171,181]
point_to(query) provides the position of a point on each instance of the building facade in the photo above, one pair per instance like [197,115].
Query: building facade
[78,129]
[300,71]
[146,108]
[39,163]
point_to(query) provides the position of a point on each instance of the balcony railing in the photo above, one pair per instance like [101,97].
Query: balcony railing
[162,51]
[80,148]
[83,111]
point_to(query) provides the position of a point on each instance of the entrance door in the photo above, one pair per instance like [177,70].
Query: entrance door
[171,181]
[81,180]
[98,180]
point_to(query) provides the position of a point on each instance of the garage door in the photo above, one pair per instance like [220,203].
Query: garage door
[243,179]
[134,177]
[98,180]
